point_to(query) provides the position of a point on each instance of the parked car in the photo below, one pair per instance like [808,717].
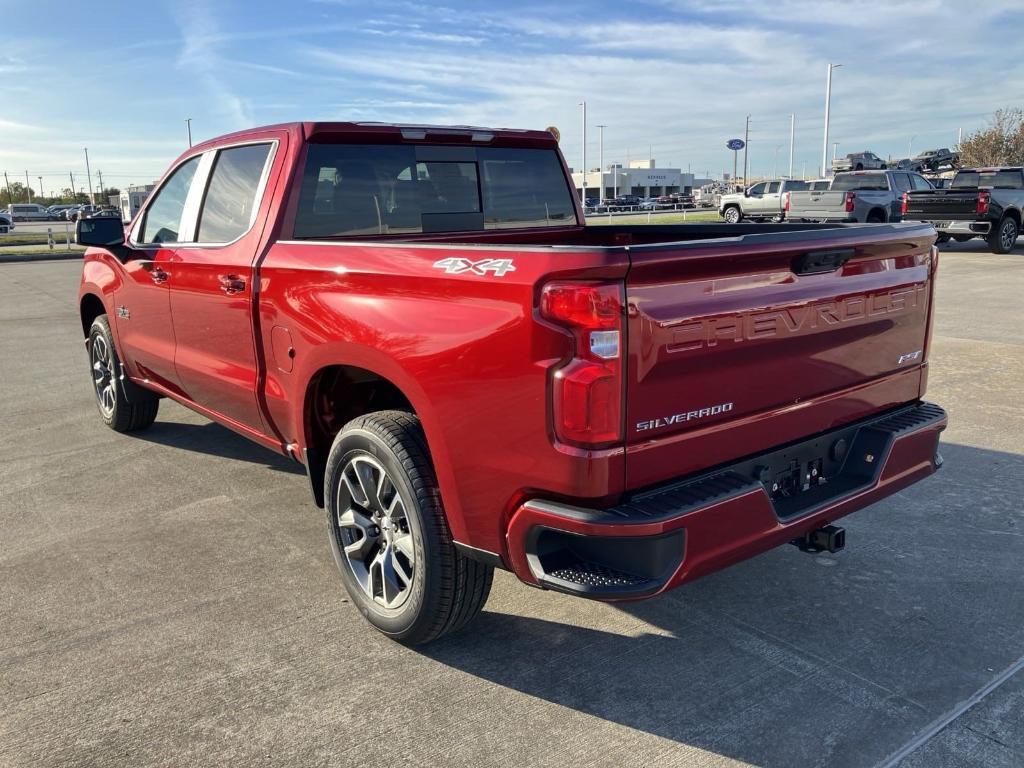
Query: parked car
[980,202]
[935,159]
[863,196]
[6,223]
[29,212]
[81,212]
[625,202]
[682,199]
[105,212]
[57,211]
[448,361]
[858,161]
[760,202]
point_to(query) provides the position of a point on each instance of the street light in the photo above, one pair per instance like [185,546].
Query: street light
[835,146]
[188,126]
[600,160]
[910,146]
[584,189]
[828,103]
[88,173]
[40,186]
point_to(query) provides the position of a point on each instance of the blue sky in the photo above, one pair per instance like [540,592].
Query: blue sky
[668,77]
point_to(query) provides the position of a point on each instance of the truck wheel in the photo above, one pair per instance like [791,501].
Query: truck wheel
[1003,237]
[942,239]
[860,167]
[117,411]
[732,215]
[389,535]
[875,217]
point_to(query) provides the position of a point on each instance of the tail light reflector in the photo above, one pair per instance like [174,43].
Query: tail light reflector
[588,389]
[785,202]
[850,197]
[904,204]
[984,198]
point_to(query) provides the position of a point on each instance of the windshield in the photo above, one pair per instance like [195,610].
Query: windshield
[862,181]
[996,179]
[359,189]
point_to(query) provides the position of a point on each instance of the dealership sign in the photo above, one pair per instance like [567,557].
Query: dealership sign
[735,144]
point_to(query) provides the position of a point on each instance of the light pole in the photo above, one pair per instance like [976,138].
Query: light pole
[828,104]
[188,127]
[835,146]
[910,146]
[583,191]
[600,160]
[792,133]
[746,147]
[88,173]
[28,189]
[40,186]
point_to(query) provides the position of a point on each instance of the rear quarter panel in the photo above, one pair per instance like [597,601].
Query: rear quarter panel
[467,350]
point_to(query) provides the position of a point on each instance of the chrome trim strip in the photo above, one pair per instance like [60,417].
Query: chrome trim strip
[197,194]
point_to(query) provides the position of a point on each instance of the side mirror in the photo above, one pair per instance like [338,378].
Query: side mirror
[746,193]
[103,232]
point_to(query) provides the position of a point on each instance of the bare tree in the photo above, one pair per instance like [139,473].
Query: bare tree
[1001,143]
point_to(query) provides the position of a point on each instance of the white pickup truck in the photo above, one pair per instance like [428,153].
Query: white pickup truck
[762,201]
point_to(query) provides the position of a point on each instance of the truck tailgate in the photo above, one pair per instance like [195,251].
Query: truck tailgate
[953,204]
[739,344]
[821,204]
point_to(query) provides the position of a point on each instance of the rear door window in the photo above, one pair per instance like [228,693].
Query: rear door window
[773,187]
[860,181]
[230,201]
[919,182]
[902,182]
[163,216]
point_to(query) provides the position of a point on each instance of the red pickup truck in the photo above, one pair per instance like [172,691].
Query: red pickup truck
[474,379]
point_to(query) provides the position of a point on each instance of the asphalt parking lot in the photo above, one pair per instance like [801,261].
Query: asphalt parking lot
[170,599]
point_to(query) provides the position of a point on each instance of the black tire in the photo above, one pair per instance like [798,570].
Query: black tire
[1003,236]
[962,238]
[117,411]
[860,167]
[875,217]
[941,239]
[883,166]
[732,214]
[447,590]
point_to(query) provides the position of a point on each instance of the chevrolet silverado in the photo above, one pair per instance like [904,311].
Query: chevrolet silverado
[980,202]
[857,196]
[474,379]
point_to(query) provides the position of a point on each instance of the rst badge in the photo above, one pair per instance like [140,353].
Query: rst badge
[908,357]
[460,266]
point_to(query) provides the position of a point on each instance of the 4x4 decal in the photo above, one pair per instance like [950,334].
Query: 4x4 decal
[459,266]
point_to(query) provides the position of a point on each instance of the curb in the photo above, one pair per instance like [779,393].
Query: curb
[14,258]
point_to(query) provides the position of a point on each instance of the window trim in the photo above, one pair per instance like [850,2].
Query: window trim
[140,218]
[197,195]
[257,203]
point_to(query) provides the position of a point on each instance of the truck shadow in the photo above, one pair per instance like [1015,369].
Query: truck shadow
[212,439]
[793,659]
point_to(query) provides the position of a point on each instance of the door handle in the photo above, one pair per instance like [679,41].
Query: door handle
[231,284]
[158,275]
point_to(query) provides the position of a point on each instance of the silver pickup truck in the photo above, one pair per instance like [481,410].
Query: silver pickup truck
[864,196]
[758,202]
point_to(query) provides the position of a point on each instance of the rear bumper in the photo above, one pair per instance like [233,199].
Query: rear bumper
[662,537]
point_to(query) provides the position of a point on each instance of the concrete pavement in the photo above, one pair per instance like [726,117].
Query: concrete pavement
[170,599]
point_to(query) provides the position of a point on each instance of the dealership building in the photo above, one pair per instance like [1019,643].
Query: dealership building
[642,178]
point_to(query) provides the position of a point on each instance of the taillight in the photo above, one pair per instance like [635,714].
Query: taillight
[850,197]
[984,198]
[588,389]
[905,204]
[785,202]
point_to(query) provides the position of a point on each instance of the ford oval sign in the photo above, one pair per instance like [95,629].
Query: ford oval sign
[735,144]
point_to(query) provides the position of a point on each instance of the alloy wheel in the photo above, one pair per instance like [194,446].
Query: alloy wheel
[374,532]
[1008,234]
[103,374]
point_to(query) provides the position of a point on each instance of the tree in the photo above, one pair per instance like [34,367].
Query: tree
[1001,143]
